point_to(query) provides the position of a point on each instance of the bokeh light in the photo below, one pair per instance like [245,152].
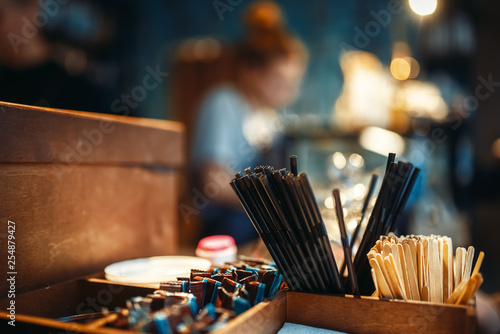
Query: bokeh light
[356,160]
[339,160]
[400,68]
[495,148]
[329,202]
[423,7]
[381,141]
[359,191]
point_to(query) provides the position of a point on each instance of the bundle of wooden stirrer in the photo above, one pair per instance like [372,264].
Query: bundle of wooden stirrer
[423,268]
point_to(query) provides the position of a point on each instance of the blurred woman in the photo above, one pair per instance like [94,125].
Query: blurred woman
[238,126]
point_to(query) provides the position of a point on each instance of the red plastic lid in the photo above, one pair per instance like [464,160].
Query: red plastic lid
[216,243]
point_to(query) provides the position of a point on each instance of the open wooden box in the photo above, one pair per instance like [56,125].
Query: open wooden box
[86,190]
[38,311]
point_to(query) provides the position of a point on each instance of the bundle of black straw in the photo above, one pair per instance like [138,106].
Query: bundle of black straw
[395,190]
[283,210]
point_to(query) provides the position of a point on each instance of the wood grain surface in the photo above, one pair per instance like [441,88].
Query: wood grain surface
[370,315]
[264,318]
[73,218]
[43,135]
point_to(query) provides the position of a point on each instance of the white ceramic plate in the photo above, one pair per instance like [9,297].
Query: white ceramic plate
[154,270]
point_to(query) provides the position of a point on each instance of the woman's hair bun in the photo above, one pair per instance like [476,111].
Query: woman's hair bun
[263,15]
[267,37]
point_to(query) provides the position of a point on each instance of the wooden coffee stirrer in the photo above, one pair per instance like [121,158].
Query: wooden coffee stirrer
[412,275]
[472,286]
[420,264]
[436,281]
[447,268]
[456,269]
[401,259]
[479,262]
[374,277]
[423,268]
[425,294]
[396,262]
[384,289]
[468,262]
[425,262]
[457,292]
[385,273]
[397,279]
[476,279]
[460,258]
[467,287]
[413,249]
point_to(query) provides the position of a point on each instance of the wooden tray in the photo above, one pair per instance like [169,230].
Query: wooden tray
[38,311]
[43,307]
[354,315]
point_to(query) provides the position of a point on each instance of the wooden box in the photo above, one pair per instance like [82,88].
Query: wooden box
[38,311]
[82,190]
[85,190]
[43,307]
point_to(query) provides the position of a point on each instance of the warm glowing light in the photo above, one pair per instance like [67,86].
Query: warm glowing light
[339,160]
[356,160]
[422,99]
[352,224]
[414,67]
[329,202]
[381,141]
[495,148]
[366,77]
[359,191]
[400,68]
[423,7]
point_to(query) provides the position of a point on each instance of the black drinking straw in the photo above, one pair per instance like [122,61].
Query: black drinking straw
[402,176]
[281,257]
[282,265]
[393,195]
[345,243]
[371,189]
[395,181]
[293,165]
[311,221]
[390,160]
[278,227]
[272,221]
[404,199]
[369,236]
[260,226]
[321,235]
[316,279]
[367,241]
[289,209]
